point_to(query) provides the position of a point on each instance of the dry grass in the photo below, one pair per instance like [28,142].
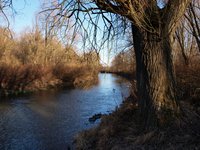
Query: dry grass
[17,78]
[188,81]
[79,76]
[24,78]
[121,129]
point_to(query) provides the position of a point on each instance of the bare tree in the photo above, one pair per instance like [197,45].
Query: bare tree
[124,62]
[4,4]
[193,18]
[153,23]
[185,41]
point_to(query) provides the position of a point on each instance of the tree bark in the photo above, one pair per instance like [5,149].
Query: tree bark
[155,78]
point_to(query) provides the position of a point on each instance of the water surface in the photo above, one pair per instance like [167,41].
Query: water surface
[49,120]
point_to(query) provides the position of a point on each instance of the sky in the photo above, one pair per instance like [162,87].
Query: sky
[25,16]
[25,19]
[26,11]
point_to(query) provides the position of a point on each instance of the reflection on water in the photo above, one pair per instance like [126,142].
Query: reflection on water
[49,120]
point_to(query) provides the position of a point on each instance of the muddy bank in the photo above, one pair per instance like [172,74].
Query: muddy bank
[121,130]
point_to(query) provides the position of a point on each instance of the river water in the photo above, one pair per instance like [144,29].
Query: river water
[49,120]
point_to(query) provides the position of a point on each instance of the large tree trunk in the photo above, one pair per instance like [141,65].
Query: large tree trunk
[155,78]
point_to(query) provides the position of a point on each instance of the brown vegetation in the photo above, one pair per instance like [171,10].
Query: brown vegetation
[188,81]
[29,64]
[121,130]
[123,65]
[154,118]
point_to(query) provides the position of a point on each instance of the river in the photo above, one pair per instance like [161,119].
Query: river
[49,120]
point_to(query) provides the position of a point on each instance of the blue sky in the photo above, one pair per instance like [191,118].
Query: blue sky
[25,17]
[26,14]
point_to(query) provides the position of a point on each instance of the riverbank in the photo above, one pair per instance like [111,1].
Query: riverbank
[16,80]
[50,119]
[30,62]
[121,129]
